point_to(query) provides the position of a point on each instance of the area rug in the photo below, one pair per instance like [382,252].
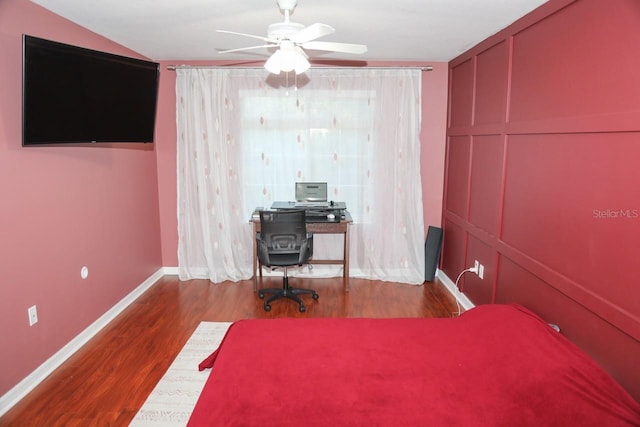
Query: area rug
[174,397]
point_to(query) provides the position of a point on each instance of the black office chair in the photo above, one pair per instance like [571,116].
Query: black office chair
[283,241]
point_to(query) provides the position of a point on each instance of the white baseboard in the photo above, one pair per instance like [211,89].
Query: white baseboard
[451,287]
[171,271]
[19,391]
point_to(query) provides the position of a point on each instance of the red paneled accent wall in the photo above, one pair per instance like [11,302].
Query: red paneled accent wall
[543,176]
[457,177]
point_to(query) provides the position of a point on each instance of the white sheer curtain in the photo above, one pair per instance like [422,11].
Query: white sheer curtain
[245,137]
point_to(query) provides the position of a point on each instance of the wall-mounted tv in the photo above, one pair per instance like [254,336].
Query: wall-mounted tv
[76,95]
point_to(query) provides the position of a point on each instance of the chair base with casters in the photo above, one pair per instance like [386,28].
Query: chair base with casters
[286,292]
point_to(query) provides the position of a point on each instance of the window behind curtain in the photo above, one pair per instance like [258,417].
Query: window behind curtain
[305,135]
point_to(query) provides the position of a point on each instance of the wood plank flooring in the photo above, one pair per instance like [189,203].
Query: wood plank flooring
[107,381]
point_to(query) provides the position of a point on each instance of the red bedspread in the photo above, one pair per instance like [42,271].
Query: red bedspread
[496,365]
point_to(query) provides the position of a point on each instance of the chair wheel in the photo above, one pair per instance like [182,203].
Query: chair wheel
[267,307]
[260,294]
[302,308]
[315,296]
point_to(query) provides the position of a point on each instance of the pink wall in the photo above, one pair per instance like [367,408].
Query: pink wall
[166,164]
[543,148]
[63,208]
[433,136]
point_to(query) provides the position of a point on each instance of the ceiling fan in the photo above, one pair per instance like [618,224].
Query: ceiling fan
[291,39]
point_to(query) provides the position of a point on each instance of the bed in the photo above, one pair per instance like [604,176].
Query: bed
[495,365]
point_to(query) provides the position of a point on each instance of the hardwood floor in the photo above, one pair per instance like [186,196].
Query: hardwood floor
[107,381]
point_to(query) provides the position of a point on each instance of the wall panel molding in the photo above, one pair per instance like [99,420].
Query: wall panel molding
[542,177]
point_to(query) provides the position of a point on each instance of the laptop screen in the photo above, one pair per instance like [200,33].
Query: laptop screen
[311,191]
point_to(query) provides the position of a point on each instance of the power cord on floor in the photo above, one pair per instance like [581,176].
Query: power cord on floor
[468,270]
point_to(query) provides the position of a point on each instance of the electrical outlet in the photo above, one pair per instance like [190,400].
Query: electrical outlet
[481,271]
[476,265]
[33,315]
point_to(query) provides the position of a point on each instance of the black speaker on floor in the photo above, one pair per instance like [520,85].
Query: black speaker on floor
[432,247]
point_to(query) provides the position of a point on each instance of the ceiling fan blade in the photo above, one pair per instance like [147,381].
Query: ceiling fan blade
[248,48]
[264,39]
[335,47]
[312,32]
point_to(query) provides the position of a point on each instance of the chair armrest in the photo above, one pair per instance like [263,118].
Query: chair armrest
[306,249]
[310,239]
[262,251]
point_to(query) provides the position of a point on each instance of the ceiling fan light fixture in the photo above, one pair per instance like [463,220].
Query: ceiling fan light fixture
[287,60]
[300,63]
[273,64]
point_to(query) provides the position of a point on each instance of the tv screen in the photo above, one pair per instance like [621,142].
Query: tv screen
[76,95]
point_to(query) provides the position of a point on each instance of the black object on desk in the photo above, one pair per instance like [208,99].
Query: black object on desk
[323,205]
[316,212]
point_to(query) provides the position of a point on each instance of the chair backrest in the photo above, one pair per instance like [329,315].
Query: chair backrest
[283,231]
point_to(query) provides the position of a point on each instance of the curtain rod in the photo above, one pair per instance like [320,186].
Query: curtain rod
[175,67]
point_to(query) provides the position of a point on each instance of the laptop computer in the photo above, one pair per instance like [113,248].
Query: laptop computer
[312,194]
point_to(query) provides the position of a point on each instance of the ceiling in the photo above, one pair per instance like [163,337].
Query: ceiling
[393,30]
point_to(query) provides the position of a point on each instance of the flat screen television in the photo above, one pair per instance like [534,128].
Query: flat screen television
[76,95]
